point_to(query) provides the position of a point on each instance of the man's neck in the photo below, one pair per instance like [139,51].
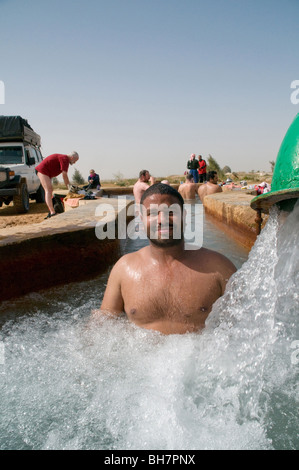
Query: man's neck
[166,254]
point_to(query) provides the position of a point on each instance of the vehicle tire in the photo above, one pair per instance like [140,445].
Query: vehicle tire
[40,195]
[21,201]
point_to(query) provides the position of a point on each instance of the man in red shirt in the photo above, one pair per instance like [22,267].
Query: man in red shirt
[51,167]
[202,170]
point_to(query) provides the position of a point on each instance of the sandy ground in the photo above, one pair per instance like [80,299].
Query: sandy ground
[36,214]
[10,218]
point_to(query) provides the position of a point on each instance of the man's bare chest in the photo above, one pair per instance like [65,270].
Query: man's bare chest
[173,295]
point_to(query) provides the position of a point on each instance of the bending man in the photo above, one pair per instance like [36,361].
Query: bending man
[50,167]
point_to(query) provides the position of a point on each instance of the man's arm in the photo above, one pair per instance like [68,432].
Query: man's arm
[201,192]
[226,269]
[97,180]
[65,178]
[113,300]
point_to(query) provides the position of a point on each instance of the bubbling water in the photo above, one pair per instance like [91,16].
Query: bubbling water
[74,382]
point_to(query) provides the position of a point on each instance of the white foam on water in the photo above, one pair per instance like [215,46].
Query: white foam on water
[74,382]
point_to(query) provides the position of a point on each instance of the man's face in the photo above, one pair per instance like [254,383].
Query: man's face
[162,216]
[215,179]
[146,177]
[73,160]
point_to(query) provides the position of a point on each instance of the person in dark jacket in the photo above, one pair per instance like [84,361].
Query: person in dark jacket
[93,181]
[193,166]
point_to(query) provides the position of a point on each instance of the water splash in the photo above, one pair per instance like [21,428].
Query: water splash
[71,382]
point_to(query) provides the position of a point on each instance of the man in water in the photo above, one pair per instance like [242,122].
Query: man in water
[188,190]
[142,185]
[210,187]
[164,287]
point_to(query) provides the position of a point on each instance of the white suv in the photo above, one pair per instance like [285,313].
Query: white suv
[19,155]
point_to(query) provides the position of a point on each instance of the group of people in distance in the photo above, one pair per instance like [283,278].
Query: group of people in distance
[198,174]
[197,168]
[154,287]
[189,189]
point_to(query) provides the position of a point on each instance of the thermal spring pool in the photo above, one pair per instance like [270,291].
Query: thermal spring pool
[72,381]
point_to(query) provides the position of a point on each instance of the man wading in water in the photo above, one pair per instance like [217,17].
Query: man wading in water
[164,287]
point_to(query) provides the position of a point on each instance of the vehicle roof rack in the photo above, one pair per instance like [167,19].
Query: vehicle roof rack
[17,129]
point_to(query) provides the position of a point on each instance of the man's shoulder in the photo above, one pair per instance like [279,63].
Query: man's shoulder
[61,156]
[141,184]
[214,258]
[55,157]
[129,259]
[215,188]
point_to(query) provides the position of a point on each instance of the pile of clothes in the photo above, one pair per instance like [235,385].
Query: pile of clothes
[263,188]
[75,194]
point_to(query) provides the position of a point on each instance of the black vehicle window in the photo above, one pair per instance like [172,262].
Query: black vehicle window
[11,155]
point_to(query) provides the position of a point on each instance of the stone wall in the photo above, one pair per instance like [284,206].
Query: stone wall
[59,250]
[232,211]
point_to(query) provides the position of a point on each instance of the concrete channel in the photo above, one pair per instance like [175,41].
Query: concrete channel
[59,250]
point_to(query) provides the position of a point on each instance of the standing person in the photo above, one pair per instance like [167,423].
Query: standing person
[157,286]
[49,168]
[202,170]
[188,190]
[193,166]
[142,184]
[210,187]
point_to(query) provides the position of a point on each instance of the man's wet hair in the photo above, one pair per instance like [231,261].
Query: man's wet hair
[143,173]
[211,175]
[160,188]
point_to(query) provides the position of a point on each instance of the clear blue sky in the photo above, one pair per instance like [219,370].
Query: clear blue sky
[134,84]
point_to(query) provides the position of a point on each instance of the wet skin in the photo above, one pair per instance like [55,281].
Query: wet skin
[188,190]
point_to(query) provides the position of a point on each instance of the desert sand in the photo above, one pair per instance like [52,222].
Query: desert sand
[10,218]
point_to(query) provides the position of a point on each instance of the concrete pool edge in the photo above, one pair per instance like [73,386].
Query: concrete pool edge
[231,212]
[59,250]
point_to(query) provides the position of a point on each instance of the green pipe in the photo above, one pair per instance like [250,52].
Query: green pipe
[285,181]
